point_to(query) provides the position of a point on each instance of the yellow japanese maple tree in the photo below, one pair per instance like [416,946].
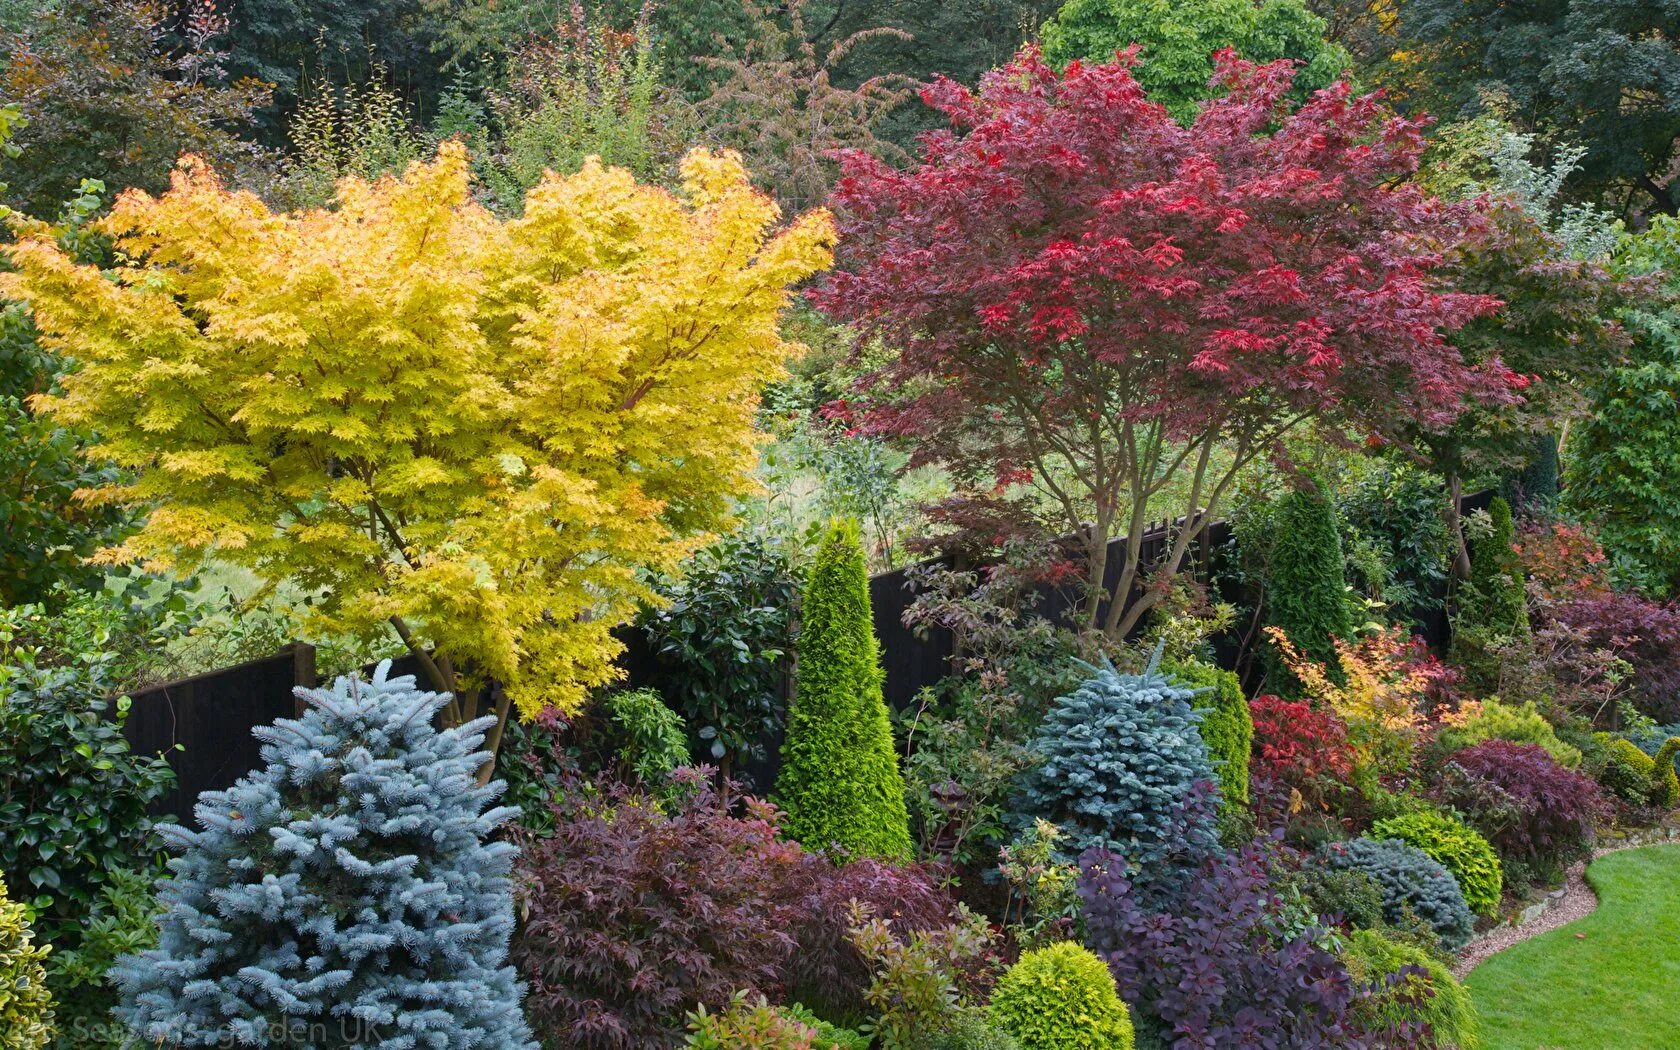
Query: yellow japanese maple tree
[481,433]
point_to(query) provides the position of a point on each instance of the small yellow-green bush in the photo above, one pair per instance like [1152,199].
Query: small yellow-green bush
[26,1007]
[1460,849]
[1061,998]
[1227,727]
[1665,785]
[1430,994]
[1518,723]
[1627,771]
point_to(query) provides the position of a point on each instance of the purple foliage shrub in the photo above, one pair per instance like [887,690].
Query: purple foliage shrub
[1544,812]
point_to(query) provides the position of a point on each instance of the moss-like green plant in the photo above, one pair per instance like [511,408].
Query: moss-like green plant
[26,1007]
[1061,998]
[1459,849]
[1427,993]
[1518,723]
[1306,584]
[1227,728]
[840,784]
[1665,785]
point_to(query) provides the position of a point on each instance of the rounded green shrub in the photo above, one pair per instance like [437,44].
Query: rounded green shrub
[1627,771]
[1061,998]
[840,785]
[1427,992]
[1518,723]
[1306,583]
[1459,849]
[26,1007]
[1665,785]
[1227,727]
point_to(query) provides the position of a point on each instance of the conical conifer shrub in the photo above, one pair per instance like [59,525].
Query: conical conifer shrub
[840,783]
[344,895]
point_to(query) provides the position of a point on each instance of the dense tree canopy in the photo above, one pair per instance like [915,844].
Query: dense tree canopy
[482,433]
[1090,300]
[1604,73]
[1178,38]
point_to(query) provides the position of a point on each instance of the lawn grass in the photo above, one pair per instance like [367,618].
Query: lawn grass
[1610,981]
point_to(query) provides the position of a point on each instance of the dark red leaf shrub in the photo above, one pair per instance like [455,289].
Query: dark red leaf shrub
[632,914]
[827,973]
[1298,749]
[1205,966]
[1545,813]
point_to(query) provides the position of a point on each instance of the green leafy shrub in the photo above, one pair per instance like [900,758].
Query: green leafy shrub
[840,784]
[1227,728]
[652,739]
[1627,771]
[1460,849]
[1395,536]
[720,644]
[1061,998]
[26,1007]
[1406,985]
[1519,723]
[921,993]
[971,1031]
[829,1036]
[1306,583]
[753,1024]
[1412,882]
[1351,895]
[1121,755]
[123,922]
[73,797]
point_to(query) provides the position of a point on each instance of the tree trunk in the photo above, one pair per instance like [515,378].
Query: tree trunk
[1455,527]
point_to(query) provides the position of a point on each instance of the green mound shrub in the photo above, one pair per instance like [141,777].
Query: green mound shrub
[840,784]
[1306,584]
[26,1007]
[1412,883]
[1352,895]
[1061,997]
[1427,992]
[652,738]
[1227,728]
[1519,723]
[1460,849]
[1665,785]
[1121,756]
[1627,771]
[753,1024]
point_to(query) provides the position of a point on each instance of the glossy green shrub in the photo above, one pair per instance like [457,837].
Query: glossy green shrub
[124,921]
[1412,883]
[652,738]
[1306,584]
[1627,771]
[840,785]
[26,1007]
[1061,998]
[1460,849]
[1519,723]
[1405,984]
[1227,727]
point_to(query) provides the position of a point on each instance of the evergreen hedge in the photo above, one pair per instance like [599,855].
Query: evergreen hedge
[1306,583]
[840,784]
[1227,727]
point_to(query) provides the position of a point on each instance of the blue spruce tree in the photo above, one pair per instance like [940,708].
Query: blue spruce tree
[342,896]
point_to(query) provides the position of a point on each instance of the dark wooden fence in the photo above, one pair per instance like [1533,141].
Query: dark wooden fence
[204,723]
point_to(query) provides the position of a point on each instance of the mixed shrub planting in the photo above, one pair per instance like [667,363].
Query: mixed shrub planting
[523,390]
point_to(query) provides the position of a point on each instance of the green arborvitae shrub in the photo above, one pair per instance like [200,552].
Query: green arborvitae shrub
[1412,883]
[1665,785]
[26,1007]
[1227,727]
[1408,985]
[1627,771]
[840,785]
[1061,998]
[1519,723]
[1493,606]
[1121,756]
[1460,849]
[355,869]
[1306,584]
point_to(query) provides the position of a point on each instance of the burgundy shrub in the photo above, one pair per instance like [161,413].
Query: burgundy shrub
[1299,749]
[1546,813]
[636,911]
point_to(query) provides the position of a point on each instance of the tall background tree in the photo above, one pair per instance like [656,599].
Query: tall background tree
[1095,308]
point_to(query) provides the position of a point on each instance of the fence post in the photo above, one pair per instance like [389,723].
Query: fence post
[303,672]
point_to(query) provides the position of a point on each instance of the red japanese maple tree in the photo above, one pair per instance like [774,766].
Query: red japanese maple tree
[1089,306]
